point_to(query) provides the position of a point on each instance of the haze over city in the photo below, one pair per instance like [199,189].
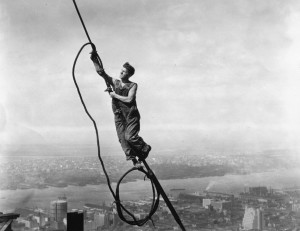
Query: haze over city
[212,74]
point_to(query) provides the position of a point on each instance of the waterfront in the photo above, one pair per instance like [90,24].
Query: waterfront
[97,194]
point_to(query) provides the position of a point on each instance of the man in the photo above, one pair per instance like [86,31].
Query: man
[127,117]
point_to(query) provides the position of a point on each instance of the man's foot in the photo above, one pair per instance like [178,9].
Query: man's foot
[134,161]
[138,164]
[145,152]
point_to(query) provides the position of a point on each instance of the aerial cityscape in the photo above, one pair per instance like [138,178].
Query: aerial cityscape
[259,204]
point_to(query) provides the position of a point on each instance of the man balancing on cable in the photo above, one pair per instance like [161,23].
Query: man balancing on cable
[127,116]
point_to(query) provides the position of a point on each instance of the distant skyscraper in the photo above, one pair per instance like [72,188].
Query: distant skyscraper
[253,219]
[58,210]
[58,213]
[75,221]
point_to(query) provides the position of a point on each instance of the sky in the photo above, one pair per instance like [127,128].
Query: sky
[212,75]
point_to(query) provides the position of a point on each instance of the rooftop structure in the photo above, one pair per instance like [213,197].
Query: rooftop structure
[6,220]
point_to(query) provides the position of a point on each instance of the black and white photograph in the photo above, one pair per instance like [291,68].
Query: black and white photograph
[142,115]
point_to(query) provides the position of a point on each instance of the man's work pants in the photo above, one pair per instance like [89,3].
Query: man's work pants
[128,133]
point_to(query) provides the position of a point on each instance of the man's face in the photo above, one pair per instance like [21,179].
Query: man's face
[124,73]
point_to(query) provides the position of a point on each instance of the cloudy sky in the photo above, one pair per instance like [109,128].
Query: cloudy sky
[212,74]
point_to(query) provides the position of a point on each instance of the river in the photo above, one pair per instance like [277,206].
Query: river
[79,195]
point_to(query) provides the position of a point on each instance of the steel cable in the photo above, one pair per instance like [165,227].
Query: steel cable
[116,196]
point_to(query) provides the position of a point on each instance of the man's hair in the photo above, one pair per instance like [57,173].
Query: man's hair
[129,68]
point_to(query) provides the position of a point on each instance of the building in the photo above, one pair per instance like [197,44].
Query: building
[206,202]
[58,210]
[6,220]
[258,191]
[58,213]
[253,219]
[100,219]
[219,205]
[29,222]
[116,219]
[41,219]
[296,207]
[75,221]
[89,225]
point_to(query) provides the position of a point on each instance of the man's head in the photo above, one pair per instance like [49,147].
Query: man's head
[127,70]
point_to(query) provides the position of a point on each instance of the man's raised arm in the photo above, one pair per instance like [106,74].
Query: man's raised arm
[100,69]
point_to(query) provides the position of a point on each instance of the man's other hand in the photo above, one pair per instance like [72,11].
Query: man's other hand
[94,57]
[112,94]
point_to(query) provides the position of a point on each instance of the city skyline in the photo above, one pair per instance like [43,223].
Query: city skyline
[256,208]
[211,75]
[211,191]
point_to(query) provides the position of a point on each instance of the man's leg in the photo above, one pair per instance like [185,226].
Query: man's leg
[120,127]
[132,137]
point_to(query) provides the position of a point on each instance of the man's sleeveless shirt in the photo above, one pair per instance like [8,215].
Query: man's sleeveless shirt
[118,105]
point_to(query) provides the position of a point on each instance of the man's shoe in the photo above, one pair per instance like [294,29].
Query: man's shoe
[134,161]
[145,152]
